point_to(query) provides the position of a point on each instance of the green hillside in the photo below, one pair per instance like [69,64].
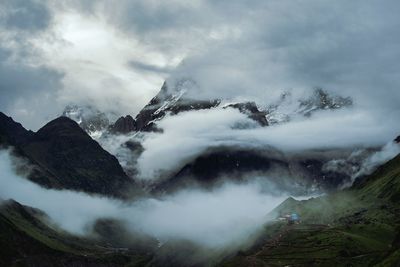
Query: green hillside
[26,241]
[359,226]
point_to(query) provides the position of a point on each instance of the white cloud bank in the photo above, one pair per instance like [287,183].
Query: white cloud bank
[189,134]
[211,218]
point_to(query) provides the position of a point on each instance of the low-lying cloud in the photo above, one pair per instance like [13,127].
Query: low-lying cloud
[210,218]
[389,151]
[189,134]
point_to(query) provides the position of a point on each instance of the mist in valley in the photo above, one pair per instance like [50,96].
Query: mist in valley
[217,218]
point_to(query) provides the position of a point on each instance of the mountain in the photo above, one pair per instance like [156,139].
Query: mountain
[383,184]
[286,107]
[354,227]
[11,132]
[228,161]
[359,226]
[298,174]
[310,172]
[124,125]
[252,111]
[174,101]
[93,121]
[64,156]
[25,240]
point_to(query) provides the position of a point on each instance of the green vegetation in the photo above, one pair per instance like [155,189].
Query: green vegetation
[26,241]
[359,226]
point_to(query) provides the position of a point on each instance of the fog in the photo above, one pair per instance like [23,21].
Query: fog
[189,134]
[215,218]
[387,152]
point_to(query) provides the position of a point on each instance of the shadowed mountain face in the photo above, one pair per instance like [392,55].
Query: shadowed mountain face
[252,111]
[25,240]
[124,125]
[166,101]
[11,132]
[298,175]
[209,168]
[65,157]
[354,227]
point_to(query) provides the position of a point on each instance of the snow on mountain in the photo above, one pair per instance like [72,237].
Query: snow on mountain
[93,121]
[287,108]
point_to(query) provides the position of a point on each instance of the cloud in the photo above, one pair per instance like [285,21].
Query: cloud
[117,56]
[27,88]
[221,217]
[189,134]
[73,57]
[27,85]
[143,67]
[25,15]
[345,47]
[216,218]
[386,153]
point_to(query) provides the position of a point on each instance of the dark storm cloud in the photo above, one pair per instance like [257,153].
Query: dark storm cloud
[148,17]
[27,86]
[25,15]
[23,81]
[253,49]
[349,47]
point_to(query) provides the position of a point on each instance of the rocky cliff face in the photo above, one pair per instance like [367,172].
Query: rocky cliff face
[124,125]
[174,101]
[11,132]
[286,107]
[252,111]
[65,157]
[89,119]
[298,174]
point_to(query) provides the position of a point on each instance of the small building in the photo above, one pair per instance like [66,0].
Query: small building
[294,218]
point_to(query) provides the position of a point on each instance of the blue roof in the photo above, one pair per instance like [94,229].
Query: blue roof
[294,217]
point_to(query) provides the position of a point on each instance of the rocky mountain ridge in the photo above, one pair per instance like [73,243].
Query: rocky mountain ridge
[63,156]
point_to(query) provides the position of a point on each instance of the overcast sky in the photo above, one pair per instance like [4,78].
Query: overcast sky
[115,55]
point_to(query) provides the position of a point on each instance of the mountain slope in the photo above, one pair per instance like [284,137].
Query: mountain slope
[78,162]
[65,157]
[355,227]
[26,241]
[90,119]
[383,184]
[299,174]
[174,101]
[11,132]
